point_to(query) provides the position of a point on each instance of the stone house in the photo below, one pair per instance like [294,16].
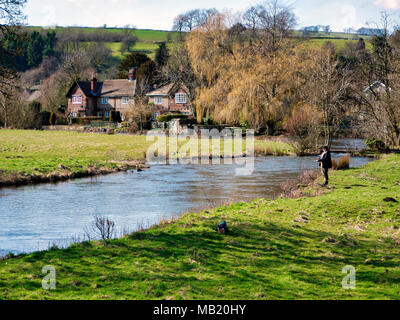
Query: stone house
[170,99]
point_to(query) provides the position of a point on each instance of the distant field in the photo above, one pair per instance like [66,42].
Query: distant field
[148,39]
[338,43]
[148,48]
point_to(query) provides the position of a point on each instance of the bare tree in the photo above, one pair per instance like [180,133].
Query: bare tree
[179,70]
[129,39]
[277,20]
[10,16]
[104,227]
[251,18]
[379,90]
[329,85]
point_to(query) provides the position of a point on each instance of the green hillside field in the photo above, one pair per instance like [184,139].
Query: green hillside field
[148,40]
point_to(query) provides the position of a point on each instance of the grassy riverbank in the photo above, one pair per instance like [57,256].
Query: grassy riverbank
[42,156]
[280,249]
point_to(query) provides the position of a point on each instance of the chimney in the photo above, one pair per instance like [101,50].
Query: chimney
[93,85]
[132,74]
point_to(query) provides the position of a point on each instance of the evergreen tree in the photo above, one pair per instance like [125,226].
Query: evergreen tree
[35,50]
[133,60]
[162,54]
[49,43]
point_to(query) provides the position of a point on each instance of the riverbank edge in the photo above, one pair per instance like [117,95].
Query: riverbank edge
[17,180]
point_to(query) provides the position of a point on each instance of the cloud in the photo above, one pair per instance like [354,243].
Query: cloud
[388,4]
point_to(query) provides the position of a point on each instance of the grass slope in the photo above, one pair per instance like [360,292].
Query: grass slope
[29,153]
[277,249]
[148,39]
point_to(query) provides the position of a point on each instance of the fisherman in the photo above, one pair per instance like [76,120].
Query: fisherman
[325,161]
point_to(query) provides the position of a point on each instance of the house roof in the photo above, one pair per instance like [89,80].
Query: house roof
[107,88]
[122,87]
[162,91]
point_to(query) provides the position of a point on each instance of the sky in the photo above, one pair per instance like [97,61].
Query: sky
[159,14]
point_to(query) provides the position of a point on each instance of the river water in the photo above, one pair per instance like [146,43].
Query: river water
[32,218]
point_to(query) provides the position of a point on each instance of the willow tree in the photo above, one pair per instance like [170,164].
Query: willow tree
[240,82]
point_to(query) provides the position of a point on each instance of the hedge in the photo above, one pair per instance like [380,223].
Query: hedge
[169,117]
[375,144]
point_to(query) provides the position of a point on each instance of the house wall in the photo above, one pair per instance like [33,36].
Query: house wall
[76,107]
[183,108]
[88,104]
[160,108]
[114,103]
[169,105]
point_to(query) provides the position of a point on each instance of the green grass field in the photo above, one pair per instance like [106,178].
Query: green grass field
[276,249]
[148,39]
[39,153]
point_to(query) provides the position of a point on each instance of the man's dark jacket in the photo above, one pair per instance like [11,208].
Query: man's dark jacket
[326,160]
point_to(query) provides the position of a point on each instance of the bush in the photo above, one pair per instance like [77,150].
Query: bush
[94,118]
[61,121]
[169,117]
[46,118]
[77,121]
[115,116]
[375,144]
[292,188]
[342,164]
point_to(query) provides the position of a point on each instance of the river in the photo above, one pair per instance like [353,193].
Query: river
[32,218]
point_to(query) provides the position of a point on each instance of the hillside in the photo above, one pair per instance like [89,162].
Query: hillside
[148,39]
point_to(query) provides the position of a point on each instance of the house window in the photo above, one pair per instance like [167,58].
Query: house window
[155,115]
[107,114]
[100,114]
[76,99]
[104,100]
[180,98]
[73,114]
[125,100]
[158,100]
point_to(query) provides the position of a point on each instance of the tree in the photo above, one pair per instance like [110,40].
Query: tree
[251,18]
[379,91]
[35,49]
[49,43]
[329,85]
[140,112]
[11,15]
[179,70]
[99,56]
[129,39]
[179,24]
[238,81]
[133,60]
[189,20]
[146,76]
[276,22]
[162,54]
[304,125]
[75,64]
